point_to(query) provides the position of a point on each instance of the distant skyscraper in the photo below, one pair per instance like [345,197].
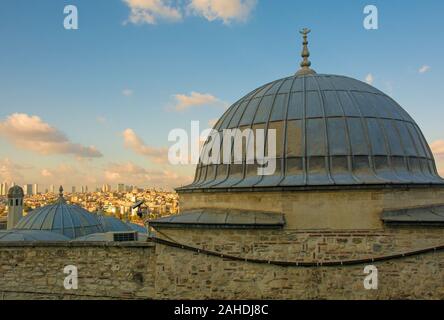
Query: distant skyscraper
[106,188]
[35,188]
[4,189]
[73,189]
[82,189]
[52,188]
[27,189]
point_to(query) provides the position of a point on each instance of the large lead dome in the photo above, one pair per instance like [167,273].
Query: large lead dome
[330,130]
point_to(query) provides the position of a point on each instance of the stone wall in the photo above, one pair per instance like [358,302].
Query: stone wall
[182,274]
[148,271]
[325,209]
[307,246]
[202,277]
[105,271]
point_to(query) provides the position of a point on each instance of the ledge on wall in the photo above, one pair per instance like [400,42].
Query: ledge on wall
[428,215]
[222,219]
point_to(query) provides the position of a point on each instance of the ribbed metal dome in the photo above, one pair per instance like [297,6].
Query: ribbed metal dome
[330,130]
[111,224]
[69,220]
[30,235]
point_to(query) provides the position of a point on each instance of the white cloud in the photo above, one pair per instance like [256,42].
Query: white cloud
[10,171]
[150,11]
[153,11]
[137,175]
[438,152]
[46,173]
[224,10]
[127,92]
[196,99]
[424,69]
[33,134]
[438,148]
[69,175]
[136,144]
[369,79]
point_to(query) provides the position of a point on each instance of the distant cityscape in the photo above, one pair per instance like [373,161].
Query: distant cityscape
[115,200]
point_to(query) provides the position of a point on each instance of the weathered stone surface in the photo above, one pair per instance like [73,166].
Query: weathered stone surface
[158,271]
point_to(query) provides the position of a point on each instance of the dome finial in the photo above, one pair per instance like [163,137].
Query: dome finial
[61,192]
[305,64]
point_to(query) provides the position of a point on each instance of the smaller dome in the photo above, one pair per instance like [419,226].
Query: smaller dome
[16,192]
[94,237]
[30,235]
[137,227]
[111,224]
[71,221]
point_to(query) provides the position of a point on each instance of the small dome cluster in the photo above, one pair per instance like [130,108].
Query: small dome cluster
[69,220]
[62,222]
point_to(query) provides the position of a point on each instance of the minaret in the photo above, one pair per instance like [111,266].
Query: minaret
[15,206]
[305,64]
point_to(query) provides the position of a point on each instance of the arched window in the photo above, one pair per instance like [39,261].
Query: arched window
[16,202]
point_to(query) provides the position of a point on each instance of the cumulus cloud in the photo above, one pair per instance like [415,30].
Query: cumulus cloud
[33,134]
[70,175]
[438,151]
[46,173]
[369,79]
[150,11]
[137,175]
[10,171]
[224,10]
[424,69]
[438,148]
[196,99]
[135,143]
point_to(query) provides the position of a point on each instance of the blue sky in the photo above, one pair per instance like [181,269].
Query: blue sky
[113,74]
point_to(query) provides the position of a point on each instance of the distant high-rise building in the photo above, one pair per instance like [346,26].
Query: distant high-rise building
[27,189]
[82,189]
[106,188]
[35,188]
[121,187]
[52,188]
[73,189]
[86,189]
[4,189]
